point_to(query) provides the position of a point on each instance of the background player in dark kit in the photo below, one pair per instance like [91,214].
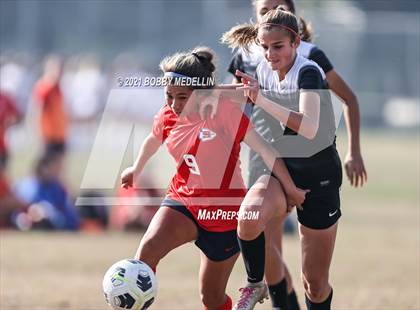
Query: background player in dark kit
[285,72]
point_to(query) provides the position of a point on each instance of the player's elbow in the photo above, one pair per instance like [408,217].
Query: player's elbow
[350,100]
[152,143]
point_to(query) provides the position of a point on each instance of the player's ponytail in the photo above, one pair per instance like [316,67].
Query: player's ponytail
[198,63]
[240,36]
[305,30]
[246,34]
[205,56]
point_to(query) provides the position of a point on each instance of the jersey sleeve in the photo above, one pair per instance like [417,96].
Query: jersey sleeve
[160,128]
[236,63]
[318,56]
[310,78]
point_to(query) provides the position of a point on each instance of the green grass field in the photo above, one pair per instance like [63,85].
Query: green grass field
[375,266]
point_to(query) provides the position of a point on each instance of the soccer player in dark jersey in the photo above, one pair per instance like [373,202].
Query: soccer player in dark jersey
[247,61]
[296,116]
[204,196]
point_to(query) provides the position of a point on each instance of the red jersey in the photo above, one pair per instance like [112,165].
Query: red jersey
[53,115]
[206,152]
[8,111]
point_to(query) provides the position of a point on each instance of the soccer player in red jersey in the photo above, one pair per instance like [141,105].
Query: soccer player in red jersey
[205,194]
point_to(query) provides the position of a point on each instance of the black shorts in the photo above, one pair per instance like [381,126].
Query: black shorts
[55,147]
[322,175]
[217,246]
[320,209]
[3,160]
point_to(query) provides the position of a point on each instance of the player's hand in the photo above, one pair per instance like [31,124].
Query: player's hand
[295,198]
[250,85]
[355,169]
[127,177]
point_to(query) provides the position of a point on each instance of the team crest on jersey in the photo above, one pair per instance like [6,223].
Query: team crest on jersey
[206,134]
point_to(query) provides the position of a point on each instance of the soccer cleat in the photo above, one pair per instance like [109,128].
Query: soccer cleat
[250,295]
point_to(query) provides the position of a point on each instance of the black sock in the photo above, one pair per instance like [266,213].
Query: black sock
[325,305]
[253,253]
[293,301]
[278,294]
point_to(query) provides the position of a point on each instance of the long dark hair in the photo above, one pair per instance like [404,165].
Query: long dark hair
[198,62]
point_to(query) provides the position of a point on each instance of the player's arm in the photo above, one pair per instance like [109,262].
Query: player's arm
[305,122]
[354,166]
[149,147]
[353,163]
[271,157]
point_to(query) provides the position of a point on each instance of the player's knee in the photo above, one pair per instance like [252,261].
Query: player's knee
[249,229]
[315,287]
[212,298]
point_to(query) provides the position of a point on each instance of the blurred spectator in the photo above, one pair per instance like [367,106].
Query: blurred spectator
[51,114]
[50,204]
[19,71]
[83,86]
[137,105]
[135,208]
[94,217]
[9,116]
[9,203]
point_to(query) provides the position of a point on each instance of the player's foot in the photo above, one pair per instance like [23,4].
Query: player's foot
[250,295]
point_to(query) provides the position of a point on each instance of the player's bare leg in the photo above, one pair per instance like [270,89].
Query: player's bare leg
[277,275]
[317,251]
[266,196]
[168,230]
[214,277]
[274,267]
[268,199]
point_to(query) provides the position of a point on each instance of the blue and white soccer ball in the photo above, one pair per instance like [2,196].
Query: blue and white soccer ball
[129,284]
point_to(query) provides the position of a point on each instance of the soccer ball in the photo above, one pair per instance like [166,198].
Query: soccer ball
[129,284]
